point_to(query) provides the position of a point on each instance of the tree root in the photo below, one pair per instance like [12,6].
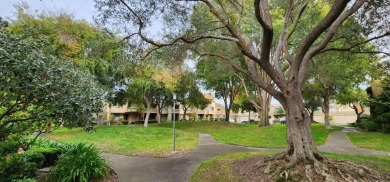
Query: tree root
[279,168]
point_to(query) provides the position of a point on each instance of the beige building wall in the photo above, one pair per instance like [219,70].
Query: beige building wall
[213,111]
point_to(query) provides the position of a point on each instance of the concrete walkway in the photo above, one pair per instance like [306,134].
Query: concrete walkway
[338,142]
[178,169]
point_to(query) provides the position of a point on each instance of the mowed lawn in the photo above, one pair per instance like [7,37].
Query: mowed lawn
[156,140]
[371,140]
[273,136]
[137,140]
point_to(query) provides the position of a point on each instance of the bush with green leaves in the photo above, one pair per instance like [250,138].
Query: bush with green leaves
[383,121]
[80,162]
[50,155]
[7,147]
[20,166]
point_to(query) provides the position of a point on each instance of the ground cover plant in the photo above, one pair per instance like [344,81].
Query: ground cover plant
[235,167]
[371,140]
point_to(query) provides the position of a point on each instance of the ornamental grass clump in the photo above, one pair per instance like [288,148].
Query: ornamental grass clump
[79,162]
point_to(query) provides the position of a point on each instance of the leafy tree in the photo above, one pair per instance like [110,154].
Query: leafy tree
[311,99]
[36,86]
[221,79]
[142,87]
[379,96]
[188,93]
[332,73]
[355,99]
[282,37]
[280,111]
[95,50]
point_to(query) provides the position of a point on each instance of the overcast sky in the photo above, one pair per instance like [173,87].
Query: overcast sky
[81,9]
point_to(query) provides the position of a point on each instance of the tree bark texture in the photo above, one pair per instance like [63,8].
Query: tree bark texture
[158,114]
[148,101]
[301,145]
[326,109]
[356,109]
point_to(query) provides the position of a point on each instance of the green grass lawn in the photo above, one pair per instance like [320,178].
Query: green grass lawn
[130,140]
[156,140]
[273,136]
[371,140]
[220,169]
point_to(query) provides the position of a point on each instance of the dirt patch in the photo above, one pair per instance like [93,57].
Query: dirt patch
[276,168]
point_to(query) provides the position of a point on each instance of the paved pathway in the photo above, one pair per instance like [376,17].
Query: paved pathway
[179,169]
[338,142]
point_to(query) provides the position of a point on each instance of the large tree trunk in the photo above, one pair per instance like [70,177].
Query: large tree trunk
[301,145]
[264,104]
[311,116]
[326,109]
[158,114]
[227,108]
[148,101]
[356,109]
[227,115]
[185,112]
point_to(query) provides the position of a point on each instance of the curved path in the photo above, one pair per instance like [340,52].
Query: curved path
[338,142]
[174,169]
[179,169]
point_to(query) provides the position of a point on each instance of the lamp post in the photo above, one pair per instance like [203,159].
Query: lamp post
[174,122]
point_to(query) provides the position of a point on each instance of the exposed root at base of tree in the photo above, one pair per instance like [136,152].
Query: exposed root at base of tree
[278,168]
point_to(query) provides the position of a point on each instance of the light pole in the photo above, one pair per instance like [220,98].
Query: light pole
[174,122]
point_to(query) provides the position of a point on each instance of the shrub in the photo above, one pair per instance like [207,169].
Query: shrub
[51,155]
[119,122]
[18,166]
[80,162]
[8,147]
[384,121]
[370,125]
[43,143]
[32,156]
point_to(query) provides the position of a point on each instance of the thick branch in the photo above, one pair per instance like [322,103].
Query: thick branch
[264,18]
[328,36]
[282,41]
[334,13]
[297,18]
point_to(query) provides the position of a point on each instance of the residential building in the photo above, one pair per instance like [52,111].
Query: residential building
[340,114]
[131,114]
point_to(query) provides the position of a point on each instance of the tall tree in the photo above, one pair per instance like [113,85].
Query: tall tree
[188,93]
[292,48]
[221,79]
[312,101]
[37,85]
[92,49]
[142,88]
[333,73]
[355,99]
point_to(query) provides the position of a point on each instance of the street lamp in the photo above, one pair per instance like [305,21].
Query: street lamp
[174,122]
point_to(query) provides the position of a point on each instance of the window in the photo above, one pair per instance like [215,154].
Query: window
[211,108]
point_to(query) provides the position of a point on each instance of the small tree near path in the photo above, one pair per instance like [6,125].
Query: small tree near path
[283,53]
